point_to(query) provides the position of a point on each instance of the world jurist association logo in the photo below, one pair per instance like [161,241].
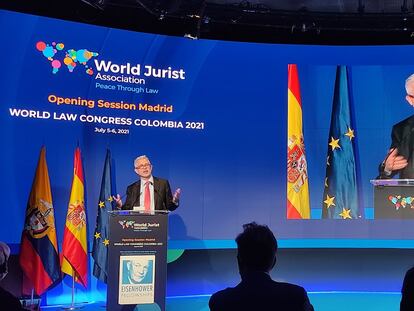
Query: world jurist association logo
[71,58]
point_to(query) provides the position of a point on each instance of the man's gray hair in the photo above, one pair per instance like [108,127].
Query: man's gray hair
[408,81]
[141,157]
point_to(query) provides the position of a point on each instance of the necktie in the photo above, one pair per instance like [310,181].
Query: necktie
[147,198]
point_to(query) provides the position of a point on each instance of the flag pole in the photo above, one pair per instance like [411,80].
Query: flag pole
[73,290]
[31,299]
[72,304]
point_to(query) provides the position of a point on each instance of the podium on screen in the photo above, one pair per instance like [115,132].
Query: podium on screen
[393,198]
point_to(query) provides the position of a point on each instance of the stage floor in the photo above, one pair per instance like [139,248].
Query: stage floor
[322,301]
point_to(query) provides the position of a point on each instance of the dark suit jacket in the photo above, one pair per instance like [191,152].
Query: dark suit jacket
[402,136]
[9,302]
[407,298]
[257,291]
[162,195]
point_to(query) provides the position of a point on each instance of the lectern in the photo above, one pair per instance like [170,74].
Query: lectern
[137,263]
[393,198]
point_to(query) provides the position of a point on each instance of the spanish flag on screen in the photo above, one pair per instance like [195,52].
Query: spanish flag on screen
[74,260]
[297,172]
[39,257]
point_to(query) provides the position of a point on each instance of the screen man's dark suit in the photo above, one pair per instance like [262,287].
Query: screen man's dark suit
[163,199]
[402,136]
[257,291]
[407,298]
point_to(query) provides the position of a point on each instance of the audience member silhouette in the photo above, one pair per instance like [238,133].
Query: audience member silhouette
[256,256]
[407,298]
[7,300]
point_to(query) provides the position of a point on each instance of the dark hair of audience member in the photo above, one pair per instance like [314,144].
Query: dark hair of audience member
[257,248]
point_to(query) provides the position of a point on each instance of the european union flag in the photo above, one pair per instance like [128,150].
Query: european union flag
[101,239]
[340,197]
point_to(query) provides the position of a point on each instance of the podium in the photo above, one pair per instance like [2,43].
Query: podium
[393,198]
[137,260]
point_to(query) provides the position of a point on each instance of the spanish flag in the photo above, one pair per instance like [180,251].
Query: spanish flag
[297,172]
[39,257]
[74,260]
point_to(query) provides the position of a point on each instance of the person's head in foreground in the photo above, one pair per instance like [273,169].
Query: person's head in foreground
[256,248]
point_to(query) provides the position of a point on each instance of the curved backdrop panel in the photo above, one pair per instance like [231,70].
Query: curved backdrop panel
[212,117]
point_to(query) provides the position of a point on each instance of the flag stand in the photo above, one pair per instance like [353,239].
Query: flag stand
[72,304]
[31,304]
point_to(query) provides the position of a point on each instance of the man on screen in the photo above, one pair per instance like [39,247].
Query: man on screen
[256,256]
[149,193]
[400,158]
[138,271]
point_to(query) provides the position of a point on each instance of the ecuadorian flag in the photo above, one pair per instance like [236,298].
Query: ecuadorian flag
[39,257]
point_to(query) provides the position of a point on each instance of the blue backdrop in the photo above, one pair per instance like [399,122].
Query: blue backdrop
[230,161]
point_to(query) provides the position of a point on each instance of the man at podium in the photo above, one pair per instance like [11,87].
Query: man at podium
[400,157]
[149,193]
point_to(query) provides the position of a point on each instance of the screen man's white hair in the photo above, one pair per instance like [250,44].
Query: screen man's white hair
[408,81]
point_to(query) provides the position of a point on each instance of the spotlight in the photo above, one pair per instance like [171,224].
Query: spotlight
[190,36]
[97,4]
[304,28]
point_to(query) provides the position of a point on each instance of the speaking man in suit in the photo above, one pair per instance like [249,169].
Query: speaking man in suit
[400,157]
[149,193]
[256,256]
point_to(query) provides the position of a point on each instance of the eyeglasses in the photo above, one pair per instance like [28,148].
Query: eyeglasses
[140,167]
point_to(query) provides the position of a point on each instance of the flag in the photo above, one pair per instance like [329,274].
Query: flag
[39,257]
[101,239]
[298,206]
[340,197]
[74,258]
